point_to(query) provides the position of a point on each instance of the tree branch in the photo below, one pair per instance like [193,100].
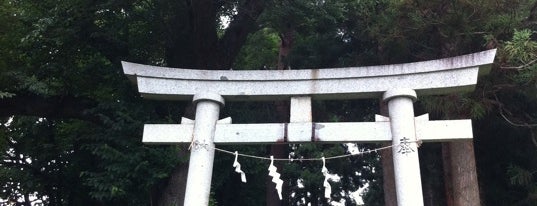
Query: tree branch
[501,110]
[111,48]
[20,163]
[532,17]
[50,107]
[204,36]
[237,32]
[521,66]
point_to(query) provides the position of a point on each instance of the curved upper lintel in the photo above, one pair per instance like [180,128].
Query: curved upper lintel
[442,76]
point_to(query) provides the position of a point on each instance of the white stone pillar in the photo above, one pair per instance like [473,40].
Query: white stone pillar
[200,170]
[405,154]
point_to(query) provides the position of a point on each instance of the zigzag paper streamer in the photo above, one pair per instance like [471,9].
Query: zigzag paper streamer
[327,187]
[237,166]
[275,176]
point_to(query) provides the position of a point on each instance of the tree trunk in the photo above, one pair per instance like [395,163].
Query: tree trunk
[278,151]
[428,193]
[287,39]
[27,201]
[460,176]
[282,110]
[462,173]
[271,195]
[448,179]
[388,177]
[210,53]
[174,192]
[432,175]
[205,37]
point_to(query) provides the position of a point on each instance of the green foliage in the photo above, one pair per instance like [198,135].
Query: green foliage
[520,176]
[455,106]
[72,50]
[34,161]
[521,48]
[521,51]
[260,51]
[227,187]
[6,95]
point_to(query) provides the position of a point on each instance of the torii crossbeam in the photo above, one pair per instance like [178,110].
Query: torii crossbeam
[398,84]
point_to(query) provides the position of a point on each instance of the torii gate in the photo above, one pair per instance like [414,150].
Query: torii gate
[398,85]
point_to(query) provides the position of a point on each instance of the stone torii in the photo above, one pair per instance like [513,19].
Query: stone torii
[398,85]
